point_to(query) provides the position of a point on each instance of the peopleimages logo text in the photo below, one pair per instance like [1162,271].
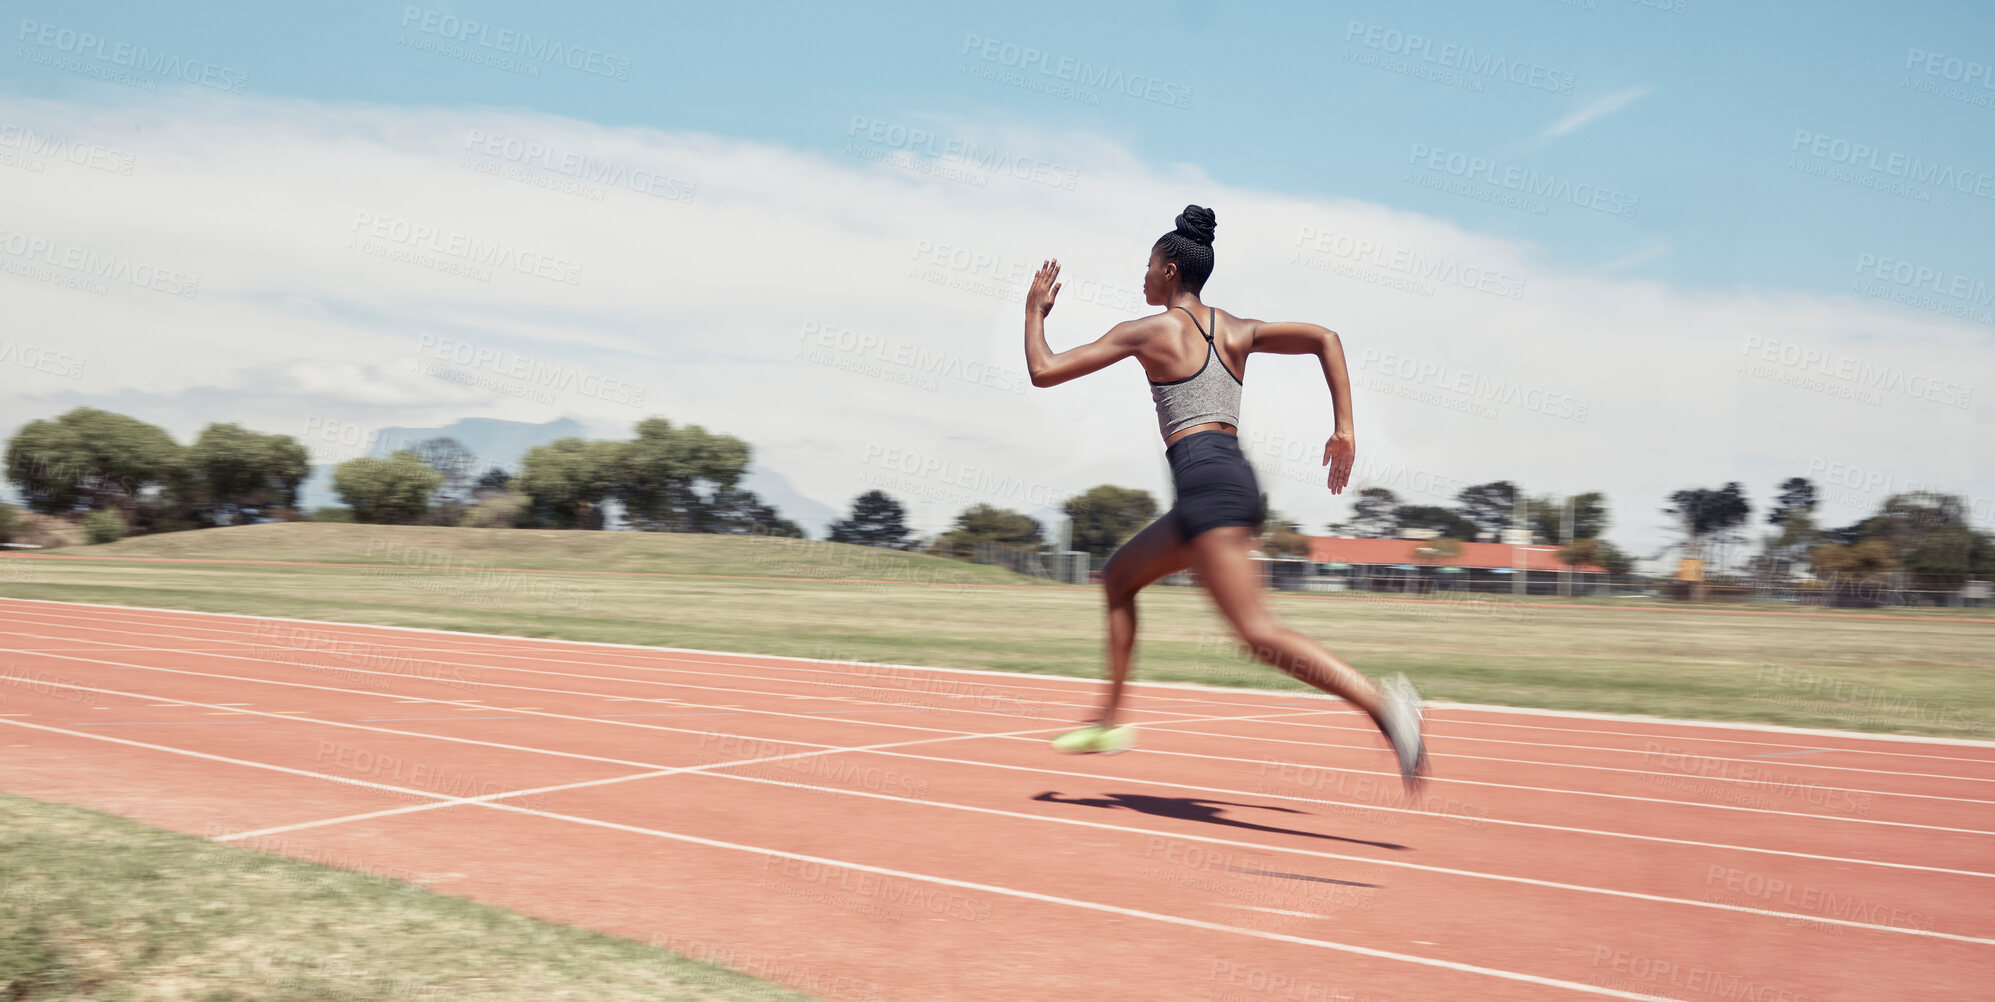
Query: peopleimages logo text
[1025,58]
[1520,179]
[1856,372]
[515,43]
[1951,68]
[1863,156]
[1392,41]
[84,44]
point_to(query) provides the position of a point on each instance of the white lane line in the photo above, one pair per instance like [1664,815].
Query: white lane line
[1591,793]
[1654,747]
[1276,911]
[457,702]
[626,723]
[1729,725]
[988,888]
[1152,916]
[1092,685]
[1137,688]
[492,800]
[461,739]
[1265,718]
[540,791]
[343,780]
[493,685]
[1452,756]
[1307,724]
[1173,785]
[1384,861]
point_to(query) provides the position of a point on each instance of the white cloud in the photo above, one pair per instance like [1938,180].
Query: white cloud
[1606,105]
[705,308]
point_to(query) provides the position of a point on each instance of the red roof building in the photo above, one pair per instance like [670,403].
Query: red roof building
[1474,556]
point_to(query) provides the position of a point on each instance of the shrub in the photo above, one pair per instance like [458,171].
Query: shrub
[103,526]
[333,513]
[497,510]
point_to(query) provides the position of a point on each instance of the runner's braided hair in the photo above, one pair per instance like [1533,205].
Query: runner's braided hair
[1190,246]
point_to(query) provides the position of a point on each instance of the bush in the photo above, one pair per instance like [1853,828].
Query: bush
[392,491]
[497,510]
[8,524]
[103,526]
[332,513]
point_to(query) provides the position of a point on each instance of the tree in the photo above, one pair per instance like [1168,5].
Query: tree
[1794,512]
[987,524]
[568,480]
[453,462]
[1796,500]
[1281,537]
[1105,517]
[1372,515]
[1546,516]
[1488,505]
[1706,513]
[668,475]
[1599,553]
[1928,534]
[392,491]
[494,479]
[740,512]
[877,520]
[1441,520]
[1868,560]
[93,459]
[1856,572]
[230,466]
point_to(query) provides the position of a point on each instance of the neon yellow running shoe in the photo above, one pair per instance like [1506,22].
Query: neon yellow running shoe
[1096,739]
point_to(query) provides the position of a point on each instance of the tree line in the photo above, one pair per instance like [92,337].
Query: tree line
[130,476]
[125,475]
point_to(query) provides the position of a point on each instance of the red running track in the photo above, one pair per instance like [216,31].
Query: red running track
[897,833]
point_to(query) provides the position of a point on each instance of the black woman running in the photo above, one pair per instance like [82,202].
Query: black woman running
[1195,356]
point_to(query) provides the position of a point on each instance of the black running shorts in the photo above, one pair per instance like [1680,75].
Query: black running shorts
[1213,482]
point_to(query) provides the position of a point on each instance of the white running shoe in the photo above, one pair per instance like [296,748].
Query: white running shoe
[1403,725]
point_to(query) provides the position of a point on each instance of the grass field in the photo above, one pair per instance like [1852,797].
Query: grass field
[1928,674]
[95,906]
[100,907]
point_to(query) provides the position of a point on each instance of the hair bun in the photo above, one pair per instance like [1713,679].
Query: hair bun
[1197,223]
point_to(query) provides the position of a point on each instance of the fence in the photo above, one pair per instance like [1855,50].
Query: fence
[1069,567]
[1290,574]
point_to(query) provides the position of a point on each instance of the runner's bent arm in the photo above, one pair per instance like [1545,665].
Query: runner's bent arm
[1309,339]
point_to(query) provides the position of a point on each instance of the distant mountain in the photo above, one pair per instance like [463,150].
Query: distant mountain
[494,442]
[813,517]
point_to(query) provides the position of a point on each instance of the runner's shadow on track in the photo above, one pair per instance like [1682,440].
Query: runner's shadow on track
[1194,809]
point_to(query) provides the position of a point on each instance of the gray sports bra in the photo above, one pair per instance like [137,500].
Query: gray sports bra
[1210,394]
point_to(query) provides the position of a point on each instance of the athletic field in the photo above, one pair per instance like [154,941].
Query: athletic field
[388,738]
[1886,670]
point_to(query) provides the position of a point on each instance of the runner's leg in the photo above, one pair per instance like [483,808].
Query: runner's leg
[1219,557]
[1156,551]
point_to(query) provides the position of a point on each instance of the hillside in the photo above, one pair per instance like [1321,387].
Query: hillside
[546,549]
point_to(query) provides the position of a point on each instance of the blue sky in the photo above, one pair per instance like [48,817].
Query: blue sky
[1680,242]
[1275,99]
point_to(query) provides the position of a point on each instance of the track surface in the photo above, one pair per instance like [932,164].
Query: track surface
[895,833]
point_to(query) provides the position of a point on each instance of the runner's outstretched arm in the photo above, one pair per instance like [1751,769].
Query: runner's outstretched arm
[1049,369]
